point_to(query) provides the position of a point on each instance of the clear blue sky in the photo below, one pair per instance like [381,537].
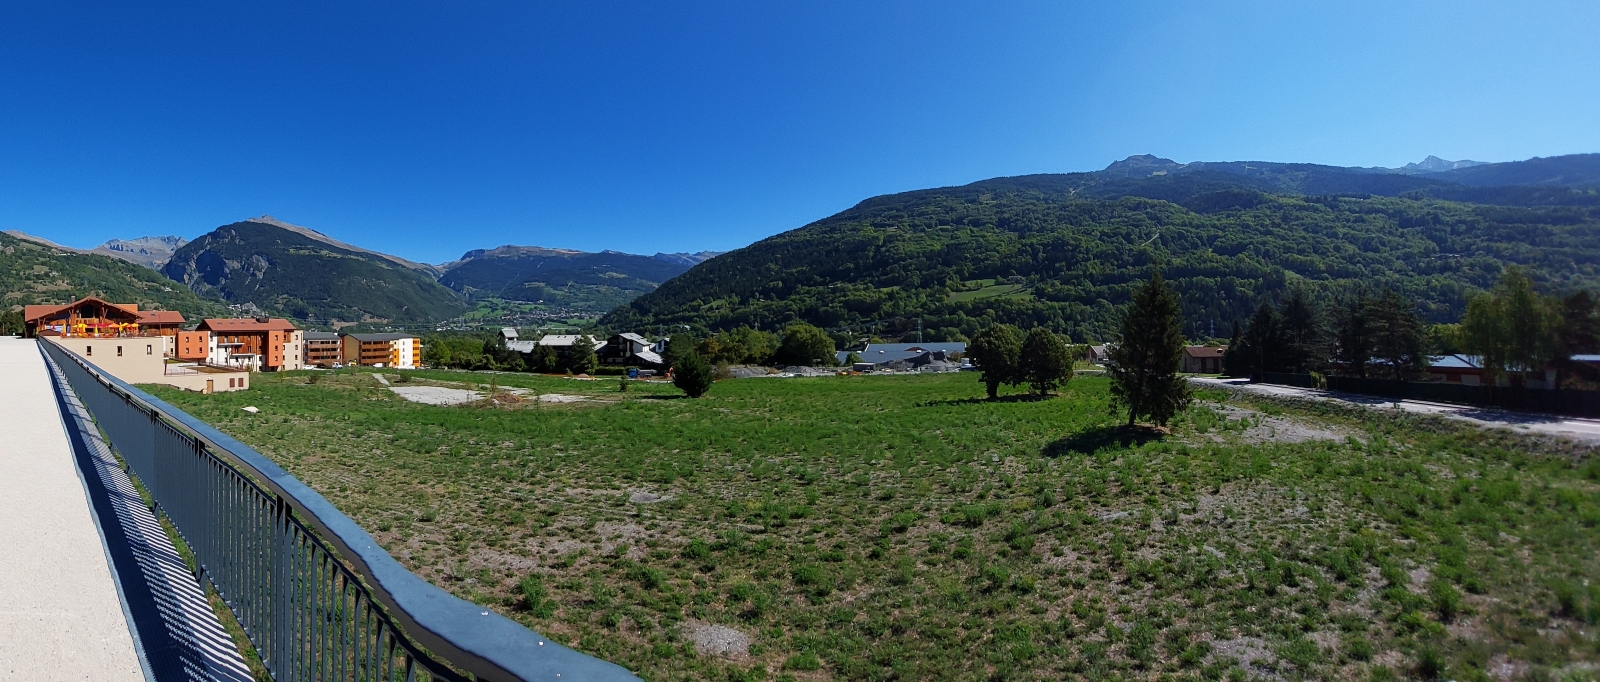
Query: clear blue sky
[429,128]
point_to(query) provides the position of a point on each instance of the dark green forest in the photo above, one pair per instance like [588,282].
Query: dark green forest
[1065,251]
[288,273]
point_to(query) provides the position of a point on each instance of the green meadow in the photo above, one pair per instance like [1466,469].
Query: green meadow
[878,528]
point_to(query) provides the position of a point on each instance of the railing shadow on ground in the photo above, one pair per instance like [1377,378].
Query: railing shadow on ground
[317,596]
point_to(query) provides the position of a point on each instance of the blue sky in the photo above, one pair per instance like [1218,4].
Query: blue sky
[428,128]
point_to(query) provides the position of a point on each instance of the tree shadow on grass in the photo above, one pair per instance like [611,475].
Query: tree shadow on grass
[680,396]
[1014,398]
[1089,441]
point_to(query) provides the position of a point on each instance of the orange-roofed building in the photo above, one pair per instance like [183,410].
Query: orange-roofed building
[255,343]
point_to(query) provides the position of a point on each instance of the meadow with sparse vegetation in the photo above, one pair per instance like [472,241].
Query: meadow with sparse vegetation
[875,528]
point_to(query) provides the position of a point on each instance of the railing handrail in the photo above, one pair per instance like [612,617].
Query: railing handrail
[471,637]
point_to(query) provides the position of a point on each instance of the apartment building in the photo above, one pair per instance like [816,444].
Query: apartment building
[399,351]
[258,344]
[323,349]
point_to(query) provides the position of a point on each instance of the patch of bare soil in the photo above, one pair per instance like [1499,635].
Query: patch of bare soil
[1278,429]
[1250,652]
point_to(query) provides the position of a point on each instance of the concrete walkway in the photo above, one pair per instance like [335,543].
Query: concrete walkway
[60,614]
[1585,431]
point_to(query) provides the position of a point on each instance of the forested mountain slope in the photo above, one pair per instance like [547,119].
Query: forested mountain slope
[559,277]
[287,272]
[34,273]
[1066,250]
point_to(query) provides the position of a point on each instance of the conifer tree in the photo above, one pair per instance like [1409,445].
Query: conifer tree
[581,359]
[1045,362]
[1145,362]
[1234,363]
[693,375]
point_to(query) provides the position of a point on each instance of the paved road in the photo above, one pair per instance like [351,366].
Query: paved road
[60,616]
[1581,430]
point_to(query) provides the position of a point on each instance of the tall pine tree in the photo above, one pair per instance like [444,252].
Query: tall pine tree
[1144,364]
[581,359]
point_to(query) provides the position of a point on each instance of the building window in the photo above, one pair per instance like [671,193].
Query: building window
[149,350]
[119,351]
[88,350]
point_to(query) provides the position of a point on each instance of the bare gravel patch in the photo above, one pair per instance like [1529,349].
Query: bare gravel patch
[437,395]
[717,640]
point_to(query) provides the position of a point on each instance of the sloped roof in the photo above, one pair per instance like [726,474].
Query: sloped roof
[245,324]
[160,317]
[321,336]
[566,340]
[34,312]
[1455,362]
[946,346]
[1203,351]
[650,356]
[386,336]
[634,338]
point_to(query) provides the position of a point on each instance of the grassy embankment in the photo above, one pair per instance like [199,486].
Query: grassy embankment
[899,527]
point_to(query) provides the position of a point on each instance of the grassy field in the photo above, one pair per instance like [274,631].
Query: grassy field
[903,528]
[1018,291]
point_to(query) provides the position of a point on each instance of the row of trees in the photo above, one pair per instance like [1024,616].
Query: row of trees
[1514,329]
[1145,360]
[1511,329]
[1300,335]
[800,344]
[1041,359]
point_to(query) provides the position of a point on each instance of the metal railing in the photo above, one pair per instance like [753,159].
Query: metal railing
[316,595]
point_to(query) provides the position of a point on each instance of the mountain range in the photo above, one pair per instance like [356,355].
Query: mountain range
[1057,249]
[1065,250]
[562,278]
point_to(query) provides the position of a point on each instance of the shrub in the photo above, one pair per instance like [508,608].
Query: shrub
[648,578]
[697,550]
[1446,600]
[804,660]
[808,575]
[1019,537]
[994,577]
[901,522]
[1430,663]
[536,598]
